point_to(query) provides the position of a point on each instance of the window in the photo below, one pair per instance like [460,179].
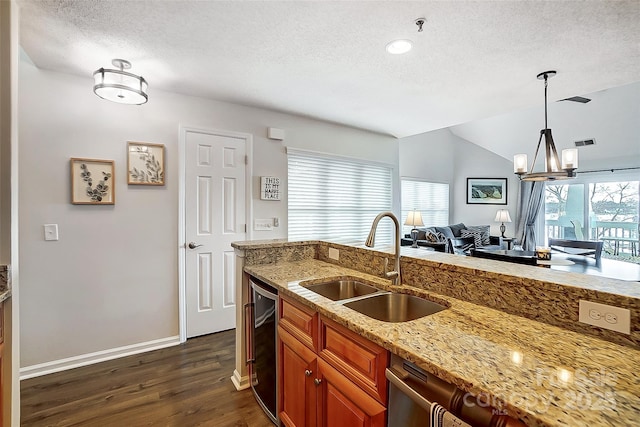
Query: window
[430,198]
[337,198]
[595,209]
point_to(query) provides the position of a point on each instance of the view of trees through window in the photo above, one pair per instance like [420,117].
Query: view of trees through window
[607,211]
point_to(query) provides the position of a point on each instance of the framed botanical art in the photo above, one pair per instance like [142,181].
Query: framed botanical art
[92,182]
[487,191]
[145,163]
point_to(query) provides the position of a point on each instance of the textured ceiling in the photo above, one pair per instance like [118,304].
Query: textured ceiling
[327,59]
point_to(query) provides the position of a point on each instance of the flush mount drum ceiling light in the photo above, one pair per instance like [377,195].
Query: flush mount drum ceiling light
[120,86]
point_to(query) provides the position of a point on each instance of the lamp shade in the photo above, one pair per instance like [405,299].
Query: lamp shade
[414,219]
[503,216]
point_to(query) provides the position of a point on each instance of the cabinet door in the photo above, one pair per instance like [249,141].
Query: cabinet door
[359,359]
[342,403]
[297,372]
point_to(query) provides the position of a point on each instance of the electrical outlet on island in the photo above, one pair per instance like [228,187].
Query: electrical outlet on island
[605,316]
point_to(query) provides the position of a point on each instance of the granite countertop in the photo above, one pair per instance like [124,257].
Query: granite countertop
[541,374]
[543,276]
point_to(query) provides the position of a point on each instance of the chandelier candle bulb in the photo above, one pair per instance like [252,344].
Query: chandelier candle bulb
[570,158]
[520,163]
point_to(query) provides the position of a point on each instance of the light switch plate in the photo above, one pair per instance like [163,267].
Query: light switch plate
[263,224]
[51,232]
[334,254]
[605,316]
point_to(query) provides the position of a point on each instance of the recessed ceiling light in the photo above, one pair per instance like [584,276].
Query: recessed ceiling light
[398,47]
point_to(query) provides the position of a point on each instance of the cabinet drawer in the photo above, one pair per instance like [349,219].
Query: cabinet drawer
[299,321]
[360,360]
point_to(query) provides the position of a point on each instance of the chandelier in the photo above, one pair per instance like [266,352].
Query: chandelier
[554,170]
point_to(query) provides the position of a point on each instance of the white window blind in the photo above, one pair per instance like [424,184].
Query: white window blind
[430,198]
[337,198]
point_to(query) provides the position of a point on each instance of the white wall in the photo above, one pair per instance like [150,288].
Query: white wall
[111,280]
[428,156]
[472,161]
[440,156]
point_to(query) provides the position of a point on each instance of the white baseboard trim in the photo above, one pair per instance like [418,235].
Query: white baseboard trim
[99,356]
[239,381]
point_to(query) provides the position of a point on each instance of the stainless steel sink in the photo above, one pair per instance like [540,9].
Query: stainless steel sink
[395,307]
[337,290]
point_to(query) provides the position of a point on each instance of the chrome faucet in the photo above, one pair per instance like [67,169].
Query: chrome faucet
[371,240]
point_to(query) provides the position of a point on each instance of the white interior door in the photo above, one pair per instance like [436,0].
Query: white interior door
[214,217]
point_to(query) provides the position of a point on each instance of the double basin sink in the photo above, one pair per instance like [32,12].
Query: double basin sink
[372,302]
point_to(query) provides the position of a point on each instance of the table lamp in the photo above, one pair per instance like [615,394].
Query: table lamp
[414,219]
[502,216]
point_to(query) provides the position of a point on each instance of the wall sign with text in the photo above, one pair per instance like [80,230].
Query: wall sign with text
[269,188]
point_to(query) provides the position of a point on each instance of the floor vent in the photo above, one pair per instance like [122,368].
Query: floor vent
[585,142]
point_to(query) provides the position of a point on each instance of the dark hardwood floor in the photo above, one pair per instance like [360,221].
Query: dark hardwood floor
[186,385]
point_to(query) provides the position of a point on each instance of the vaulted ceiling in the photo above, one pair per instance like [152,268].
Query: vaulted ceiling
[327,59]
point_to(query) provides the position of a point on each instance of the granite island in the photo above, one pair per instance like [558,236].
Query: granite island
[510,335]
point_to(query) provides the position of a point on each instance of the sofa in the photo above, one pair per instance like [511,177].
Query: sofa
[440,238]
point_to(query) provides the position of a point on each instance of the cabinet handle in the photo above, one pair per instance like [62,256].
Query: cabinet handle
[308,372]
[317,381]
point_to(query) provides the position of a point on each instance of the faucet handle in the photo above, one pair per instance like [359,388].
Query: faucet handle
[387,273]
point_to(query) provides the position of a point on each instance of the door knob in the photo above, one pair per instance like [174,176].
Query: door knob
[192,245]
[308,372]
[317,381]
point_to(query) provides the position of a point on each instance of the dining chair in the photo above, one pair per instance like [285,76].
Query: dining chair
[577,247]
[577,228]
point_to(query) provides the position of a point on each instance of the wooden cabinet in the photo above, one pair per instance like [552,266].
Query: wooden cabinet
[297,371]
[328,375]
[299,321]
[342,403]
[360,360]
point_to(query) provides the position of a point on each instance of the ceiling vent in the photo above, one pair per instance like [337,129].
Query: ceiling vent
[580,99]
[585,142]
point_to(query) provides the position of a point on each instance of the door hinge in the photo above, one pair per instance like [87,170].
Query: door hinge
[246,159]
[245,228]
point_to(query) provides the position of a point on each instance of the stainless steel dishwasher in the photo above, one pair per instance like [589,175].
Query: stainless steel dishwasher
[412,391]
